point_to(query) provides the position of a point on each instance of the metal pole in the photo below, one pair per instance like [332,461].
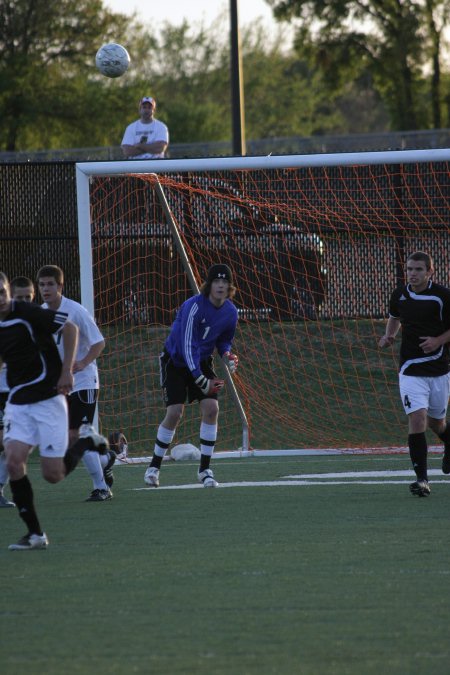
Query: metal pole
[237,87]
[193,283]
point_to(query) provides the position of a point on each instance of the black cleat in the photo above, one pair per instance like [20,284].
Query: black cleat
[446,460]
[100,496]
[99,442]
[420,488]
[107,471]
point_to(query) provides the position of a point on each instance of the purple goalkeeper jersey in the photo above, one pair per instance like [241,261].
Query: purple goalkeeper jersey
[198,329]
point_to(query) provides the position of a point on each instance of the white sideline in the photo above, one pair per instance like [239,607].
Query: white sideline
[283,483]
[392,478]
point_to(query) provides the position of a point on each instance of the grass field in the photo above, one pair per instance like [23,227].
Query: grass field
[342,575]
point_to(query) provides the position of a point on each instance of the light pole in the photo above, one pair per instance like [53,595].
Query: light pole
[237,85]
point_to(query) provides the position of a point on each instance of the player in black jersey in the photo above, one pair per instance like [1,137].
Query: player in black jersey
[422,309]
[36,409]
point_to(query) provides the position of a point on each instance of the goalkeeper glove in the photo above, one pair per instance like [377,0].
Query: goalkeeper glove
[209,387]
[231,361]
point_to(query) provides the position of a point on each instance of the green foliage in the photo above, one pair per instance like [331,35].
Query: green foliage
[400,45]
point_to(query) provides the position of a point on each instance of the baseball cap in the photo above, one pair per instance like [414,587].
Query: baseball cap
[220,272]
[148,99]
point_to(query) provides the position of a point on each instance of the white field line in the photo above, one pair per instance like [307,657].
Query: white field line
[346,478]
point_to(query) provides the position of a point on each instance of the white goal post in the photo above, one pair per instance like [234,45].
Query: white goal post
[87,172]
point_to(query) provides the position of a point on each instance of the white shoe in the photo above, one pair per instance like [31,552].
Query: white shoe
[5,503]
[100,442]
[151,476]
[29,542]
[207,478]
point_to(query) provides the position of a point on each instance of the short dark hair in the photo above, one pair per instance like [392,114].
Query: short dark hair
[21,282]
[51,271]
[422,257]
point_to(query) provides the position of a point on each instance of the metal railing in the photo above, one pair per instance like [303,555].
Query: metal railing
[295,145]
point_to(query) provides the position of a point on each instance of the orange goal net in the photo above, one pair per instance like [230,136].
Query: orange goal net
[315,250]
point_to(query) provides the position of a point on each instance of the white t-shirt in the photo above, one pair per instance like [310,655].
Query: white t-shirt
[88,335]
[153,131]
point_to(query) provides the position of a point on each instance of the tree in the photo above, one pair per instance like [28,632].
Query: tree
[398,43]
[46,49]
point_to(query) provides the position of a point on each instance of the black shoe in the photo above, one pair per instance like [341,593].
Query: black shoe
[100,496]
[446,460]
[99,442]
[107,471]
[420,488]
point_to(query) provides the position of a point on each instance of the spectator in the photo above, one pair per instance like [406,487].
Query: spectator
[147,137]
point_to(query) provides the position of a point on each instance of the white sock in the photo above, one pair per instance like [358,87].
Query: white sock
[165,437]
[208,437]
[92,462]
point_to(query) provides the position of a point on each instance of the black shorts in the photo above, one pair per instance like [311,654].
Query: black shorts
[178,383]
[3,398]
[82,407]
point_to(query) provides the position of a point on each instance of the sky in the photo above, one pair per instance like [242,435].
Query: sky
[196,11]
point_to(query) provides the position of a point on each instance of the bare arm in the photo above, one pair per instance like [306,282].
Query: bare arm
[93,353]
[154,148]
[392,328]
[70,340]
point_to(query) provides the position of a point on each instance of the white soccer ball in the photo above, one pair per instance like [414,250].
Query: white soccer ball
[112,60]
[185,451]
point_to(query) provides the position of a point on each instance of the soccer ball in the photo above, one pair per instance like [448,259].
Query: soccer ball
[112,60]
[185,451]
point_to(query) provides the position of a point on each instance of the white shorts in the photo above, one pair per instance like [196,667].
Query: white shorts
[44,424]
[430,393]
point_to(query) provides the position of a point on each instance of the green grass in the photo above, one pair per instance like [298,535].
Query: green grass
[308,580]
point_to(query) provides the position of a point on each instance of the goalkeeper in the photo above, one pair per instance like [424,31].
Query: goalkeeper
[205,322]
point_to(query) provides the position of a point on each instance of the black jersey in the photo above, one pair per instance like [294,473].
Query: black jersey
[28,348]
[422,314]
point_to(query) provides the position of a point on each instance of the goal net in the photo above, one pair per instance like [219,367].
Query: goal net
[316,245]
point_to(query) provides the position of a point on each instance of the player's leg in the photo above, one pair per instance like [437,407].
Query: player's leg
[20,434]
[209,408]
[174,384]
[4,478]
[437,413]
[82,406]
[415,394]
[164,437]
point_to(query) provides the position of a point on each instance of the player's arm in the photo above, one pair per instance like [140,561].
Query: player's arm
[69,334]
[392,328]
[224,347]
[191,334]
[431,344]
[155,148]
[93,353]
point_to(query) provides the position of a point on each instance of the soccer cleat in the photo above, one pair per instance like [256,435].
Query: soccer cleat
[207,478]
[151,476]
[30,542]
[446,460]
[119,443]
[99,495]
[99,442]
[420,488]
[5,503]
[107,471]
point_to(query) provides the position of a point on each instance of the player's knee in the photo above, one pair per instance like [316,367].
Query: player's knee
[53,473]
[173,416]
